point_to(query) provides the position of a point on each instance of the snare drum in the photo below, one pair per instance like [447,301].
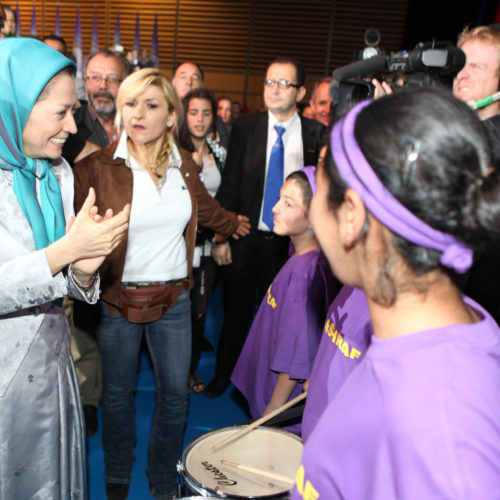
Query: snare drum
[264,448]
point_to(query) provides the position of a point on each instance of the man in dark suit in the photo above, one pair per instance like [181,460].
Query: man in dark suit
[254,260]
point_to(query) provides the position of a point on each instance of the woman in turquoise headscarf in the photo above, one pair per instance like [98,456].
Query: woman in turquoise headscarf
[45,253]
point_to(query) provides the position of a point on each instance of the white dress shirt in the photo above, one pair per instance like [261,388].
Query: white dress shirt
[293,147]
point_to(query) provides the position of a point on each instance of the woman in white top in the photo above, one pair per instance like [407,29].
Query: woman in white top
[145,281]
[198,134]
[42,451]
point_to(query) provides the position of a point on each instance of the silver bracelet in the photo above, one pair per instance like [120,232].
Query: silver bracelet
[84,286]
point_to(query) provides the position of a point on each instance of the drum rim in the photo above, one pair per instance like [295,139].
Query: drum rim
[220,429]
[188,478]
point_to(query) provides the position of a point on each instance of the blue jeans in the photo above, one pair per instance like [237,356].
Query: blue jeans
[169,343]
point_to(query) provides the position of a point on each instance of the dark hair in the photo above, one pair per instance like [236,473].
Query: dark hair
[202,74]
[107,53]
[184,134]
[56,38]
[10,9]
[300,71]
[301,179]
[68,70]
[447,185]
[326,79]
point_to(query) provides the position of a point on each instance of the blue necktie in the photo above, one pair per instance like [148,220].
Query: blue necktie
[274,179]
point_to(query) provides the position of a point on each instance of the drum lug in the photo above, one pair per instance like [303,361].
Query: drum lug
[180,467]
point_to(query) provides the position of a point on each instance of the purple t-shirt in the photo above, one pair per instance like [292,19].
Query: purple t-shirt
[344,341]
[419,418]
[285,333]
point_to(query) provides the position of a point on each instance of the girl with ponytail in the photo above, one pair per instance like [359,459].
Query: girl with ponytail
[406,197]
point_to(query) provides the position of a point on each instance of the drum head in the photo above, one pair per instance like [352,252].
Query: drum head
[264,448]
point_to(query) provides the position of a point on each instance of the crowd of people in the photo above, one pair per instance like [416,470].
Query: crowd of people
[371,244]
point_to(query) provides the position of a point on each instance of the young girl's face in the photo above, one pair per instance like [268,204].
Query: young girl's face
[290,218]
[199,117]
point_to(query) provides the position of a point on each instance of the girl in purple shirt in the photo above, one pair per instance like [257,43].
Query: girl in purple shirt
[344,341]
[405,197]
[282,343]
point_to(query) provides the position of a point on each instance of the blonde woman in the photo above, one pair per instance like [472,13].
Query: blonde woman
[145,281]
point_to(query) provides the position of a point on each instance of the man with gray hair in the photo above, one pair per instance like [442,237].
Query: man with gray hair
[104,72]
[95,118]
[321,102]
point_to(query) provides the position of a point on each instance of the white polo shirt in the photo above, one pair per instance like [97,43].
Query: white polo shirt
[156,250]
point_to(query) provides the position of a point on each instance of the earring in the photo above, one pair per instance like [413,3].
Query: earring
[310,229]
[169,124]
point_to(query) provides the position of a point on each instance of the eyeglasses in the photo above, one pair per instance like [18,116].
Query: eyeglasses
[282,84]
[97,79]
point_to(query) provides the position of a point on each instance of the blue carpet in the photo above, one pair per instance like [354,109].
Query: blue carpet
[204,414]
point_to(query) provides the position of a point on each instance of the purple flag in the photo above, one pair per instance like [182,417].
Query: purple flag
[117,42]
[95,38]
[154,44]
[18,16]
[57,29]
[77,45]
[33,29]
[137,36]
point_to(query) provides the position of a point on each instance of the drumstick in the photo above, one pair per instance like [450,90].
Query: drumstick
[260,421]
[260,472]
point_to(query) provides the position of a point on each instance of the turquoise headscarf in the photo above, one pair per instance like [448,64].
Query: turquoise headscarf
[26,65]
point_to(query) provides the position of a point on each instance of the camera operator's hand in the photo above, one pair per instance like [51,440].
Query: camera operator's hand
[381,89]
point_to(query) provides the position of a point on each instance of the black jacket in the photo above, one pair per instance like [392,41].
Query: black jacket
[243,178]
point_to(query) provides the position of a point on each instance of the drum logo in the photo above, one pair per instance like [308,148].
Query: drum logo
[219,476]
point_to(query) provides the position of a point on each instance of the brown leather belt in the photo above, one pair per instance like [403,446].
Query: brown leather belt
[143,302]
[183,283]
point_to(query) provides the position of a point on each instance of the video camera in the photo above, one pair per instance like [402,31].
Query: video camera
[429,63]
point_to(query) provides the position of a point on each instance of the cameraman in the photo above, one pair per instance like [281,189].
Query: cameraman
[480,78]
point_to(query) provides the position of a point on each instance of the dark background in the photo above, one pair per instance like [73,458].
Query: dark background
[444,19]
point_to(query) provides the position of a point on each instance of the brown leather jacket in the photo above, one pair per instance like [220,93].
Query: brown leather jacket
[112,181]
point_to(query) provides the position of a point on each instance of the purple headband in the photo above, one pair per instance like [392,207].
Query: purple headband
[310,173]
[358,174]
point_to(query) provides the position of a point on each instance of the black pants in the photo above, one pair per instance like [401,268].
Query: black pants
[204,278]
[257,259]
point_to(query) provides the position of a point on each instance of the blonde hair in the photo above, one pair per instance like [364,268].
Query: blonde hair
[133,86]
[481,33]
